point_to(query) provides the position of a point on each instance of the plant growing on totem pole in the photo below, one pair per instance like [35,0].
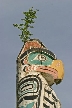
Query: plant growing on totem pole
[30,15]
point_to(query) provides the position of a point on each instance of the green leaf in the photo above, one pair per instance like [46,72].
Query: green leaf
[22,19]
[22,40]
[37,9]
[18,27]
[15,25]
[30,34]
[21,25]
[31,27]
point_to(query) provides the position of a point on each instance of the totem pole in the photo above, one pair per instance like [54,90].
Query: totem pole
[37,70]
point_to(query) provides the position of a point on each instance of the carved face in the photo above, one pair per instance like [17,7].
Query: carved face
[34,56]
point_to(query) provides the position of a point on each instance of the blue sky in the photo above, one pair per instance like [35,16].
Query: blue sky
[53,27]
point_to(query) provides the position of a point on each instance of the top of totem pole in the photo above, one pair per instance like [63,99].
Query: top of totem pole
[34,56]
[39,59]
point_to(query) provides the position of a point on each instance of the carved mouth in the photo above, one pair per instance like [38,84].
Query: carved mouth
[48,70]
[44,69]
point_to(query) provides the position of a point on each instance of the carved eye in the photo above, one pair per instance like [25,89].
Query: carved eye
[40,57]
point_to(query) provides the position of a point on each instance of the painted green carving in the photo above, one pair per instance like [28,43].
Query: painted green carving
[30,105]
[39,59]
